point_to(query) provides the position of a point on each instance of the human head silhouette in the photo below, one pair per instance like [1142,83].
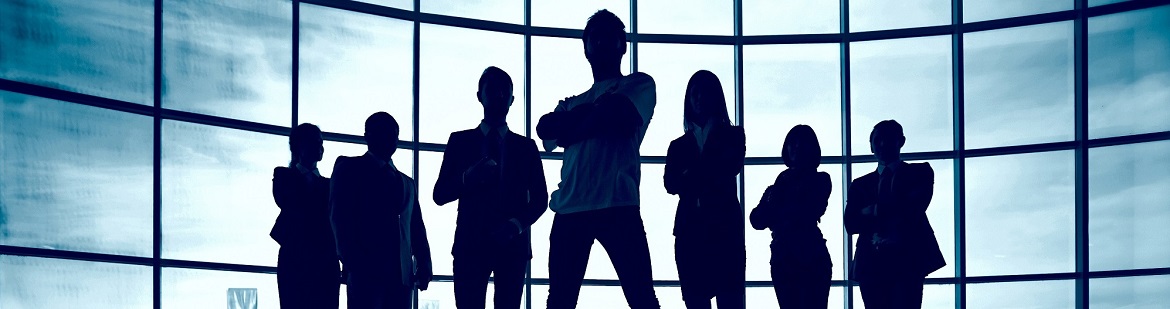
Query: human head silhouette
[801,148]
[495,94]
[306,145]
[381,135]
[605,39]
[886,141]
[704,101]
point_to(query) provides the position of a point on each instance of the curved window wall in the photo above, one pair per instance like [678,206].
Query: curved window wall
[138,136]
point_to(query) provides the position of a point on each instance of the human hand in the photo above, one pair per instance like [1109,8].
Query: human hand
[485,170]
[869,210]
[506,231]
[423,276]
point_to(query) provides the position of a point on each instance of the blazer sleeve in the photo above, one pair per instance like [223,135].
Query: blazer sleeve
[762,215]
[537,190]
[449,186]
[673,178]
[855,222]
[282,189]
[419,246]
[341,206]
[915,199]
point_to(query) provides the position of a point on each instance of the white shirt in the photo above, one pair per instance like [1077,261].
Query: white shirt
[486,128]
[600,173]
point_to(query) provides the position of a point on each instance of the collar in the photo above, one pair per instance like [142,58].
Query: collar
[306,171]
[892,167]
[381,163]
[485,128]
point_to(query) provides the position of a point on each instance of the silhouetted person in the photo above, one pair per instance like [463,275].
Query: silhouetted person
[896,247]
[601,131]
[378,223]
[306,269]
[701,168]
[791,207]
[498,179]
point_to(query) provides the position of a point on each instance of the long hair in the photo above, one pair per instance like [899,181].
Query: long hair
[712,104]
[301,137]
[810,148]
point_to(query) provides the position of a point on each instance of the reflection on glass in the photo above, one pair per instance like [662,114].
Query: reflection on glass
[216,193]
[787,85]
[507,11]
[103,48]
[353,65]
[196,288]
[867,15]
[765,17]
[981,10]
[696,17]
[1033,294]
[1018,85]
[941,212]
[229,58]
[559,70]
[934,296]
[1020,212]
[1129,189]
[671,66]
[31,282]
[1129,72]
[574,13]
[908,80]
[449,78]
[1131,292]
[74,177]
[757,178]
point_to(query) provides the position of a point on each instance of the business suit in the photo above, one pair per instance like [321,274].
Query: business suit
[306,267]
[791,207]
[492,228]
[891,271]
[708,225]
[379,230]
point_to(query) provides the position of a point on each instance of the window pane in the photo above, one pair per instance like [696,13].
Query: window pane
[103,48]
[508,11]
[1020,214]
[353,65]
[765,297]
[764,17]
[671,66]
[908,80]
[757,178]
[196,288]
[974,11]
[216,193]
[574,13]
[1019,86]
[934,296]
[1131,292]
[559,70]
[30,282]
[75,177]
[1129,190]
[449,79]
[400,4]
[866,15]
[1034,294]
[1103,2]
[439,220]
[787,85]
[1129,72]
[543,227]
[695,17]
[941,212]
[229,58]
[658,211]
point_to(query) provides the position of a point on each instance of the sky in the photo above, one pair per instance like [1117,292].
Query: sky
[80,178]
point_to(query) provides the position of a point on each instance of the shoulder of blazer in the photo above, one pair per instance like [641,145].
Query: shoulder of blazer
[867,178]
[281,172]
[520,140]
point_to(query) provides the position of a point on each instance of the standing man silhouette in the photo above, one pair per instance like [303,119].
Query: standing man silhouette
[896,247]
[378,224]
[597,199]
[498,179]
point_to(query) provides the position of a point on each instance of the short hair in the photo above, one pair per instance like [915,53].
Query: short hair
[381,122]
[889,126]
[495,76]
[604,22]
[810,147]
[300,138]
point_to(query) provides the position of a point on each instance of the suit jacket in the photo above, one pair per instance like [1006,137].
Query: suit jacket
[799,199]
[900,217]
[518,193]
[303,224]
[705,183]
[376,219]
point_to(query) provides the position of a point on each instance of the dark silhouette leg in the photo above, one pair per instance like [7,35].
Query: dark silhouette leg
[569,245]
[624,239]
[509,281]
[471,273]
